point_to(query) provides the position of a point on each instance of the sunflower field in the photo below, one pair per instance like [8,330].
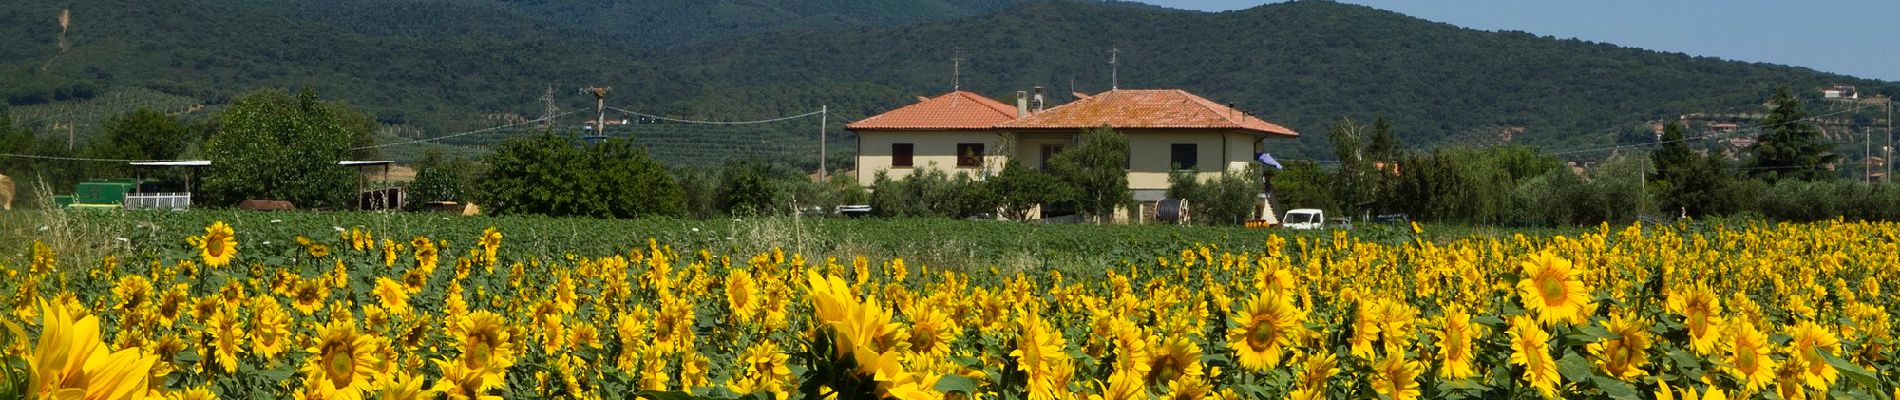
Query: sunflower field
[1788,311]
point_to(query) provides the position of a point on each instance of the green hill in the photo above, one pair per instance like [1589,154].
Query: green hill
[450,66]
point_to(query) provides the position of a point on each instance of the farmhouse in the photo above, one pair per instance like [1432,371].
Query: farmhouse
[1167,129]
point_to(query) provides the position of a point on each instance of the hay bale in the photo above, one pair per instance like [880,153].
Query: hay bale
[6,193]
[469,209]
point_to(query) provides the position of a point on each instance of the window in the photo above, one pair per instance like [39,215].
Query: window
[969,155]
[1049,151]
[1185,156]
[900,155]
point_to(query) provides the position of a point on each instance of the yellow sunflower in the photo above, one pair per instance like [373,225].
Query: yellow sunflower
[342,361]
[1748,355]
[426,254]
[134,293]
[309,296]
[219,245]
[1172,358]
[931,332]
[1396,378]
[763,368]
[1455,352]
[1702,313]
[1530,347]
[1550,290]
[741,297]
[1315,370]
[172,304]
[490,242]
[392,295]
[1262,329]
[1809,340]
[1623,357]
[403,385]
[460,382]
[71,361]
[226,338]
[1121,385]
[270,333]
[483,340]
[1039,353]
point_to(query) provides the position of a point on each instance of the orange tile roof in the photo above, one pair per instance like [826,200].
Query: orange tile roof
[1147,109]
[954,110]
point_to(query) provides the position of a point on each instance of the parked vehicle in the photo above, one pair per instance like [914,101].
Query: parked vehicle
[1304,219]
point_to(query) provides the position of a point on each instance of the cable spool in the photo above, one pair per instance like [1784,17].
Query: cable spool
[1172,210]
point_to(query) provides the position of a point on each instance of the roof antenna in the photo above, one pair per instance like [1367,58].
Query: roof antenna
[956,71]
[1114,67]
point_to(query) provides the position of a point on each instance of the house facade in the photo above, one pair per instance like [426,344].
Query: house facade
[1168,130]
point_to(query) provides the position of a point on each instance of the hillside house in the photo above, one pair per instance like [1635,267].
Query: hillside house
[963,131]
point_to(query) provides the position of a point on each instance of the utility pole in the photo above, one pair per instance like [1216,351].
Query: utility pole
[824,118]
[600,108]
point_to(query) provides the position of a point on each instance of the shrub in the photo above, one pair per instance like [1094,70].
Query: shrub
[548,175]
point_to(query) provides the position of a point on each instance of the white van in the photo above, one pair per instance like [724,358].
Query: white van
[1304,219]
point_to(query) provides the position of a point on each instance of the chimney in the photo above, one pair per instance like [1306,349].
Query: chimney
[1038,99]
[1022,104]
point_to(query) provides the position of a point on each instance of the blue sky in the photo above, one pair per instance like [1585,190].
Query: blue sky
[1853,37]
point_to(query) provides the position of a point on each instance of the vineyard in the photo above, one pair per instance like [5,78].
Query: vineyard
[313,305]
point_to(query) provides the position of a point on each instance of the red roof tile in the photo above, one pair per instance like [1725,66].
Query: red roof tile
[954,110]
[1146,109]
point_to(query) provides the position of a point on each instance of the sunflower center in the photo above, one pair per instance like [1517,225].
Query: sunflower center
[480,353]
[1261,336]
[214,245]
[1745,359]
[339,365]
[1552,288]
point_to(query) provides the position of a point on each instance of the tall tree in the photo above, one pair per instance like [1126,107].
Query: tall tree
[1353,183]
[1096,170]
[1789,147]
[271,144]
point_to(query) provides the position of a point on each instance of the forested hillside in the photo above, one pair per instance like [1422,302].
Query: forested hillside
[443,66]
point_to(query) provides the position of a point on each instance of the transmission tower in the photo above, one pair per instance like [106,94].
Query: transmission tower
[547,114]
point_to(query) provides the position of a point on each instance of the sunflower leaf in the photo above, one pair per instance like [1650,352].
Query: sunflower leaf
[1574,367]
[1859,375]
[1614,388]
[956,383]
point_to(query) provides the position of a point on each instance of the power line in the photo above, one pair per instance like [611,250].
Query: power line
[688,121]
[537,120]
[58,158]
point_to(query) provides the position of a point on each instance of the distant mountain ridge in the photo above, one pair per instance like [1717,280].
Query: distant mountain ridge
[436,64]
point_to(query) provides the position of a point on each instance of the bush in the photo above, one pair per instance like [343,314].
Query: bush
[930,192]
[1229,199]
[548,175]
[440,177]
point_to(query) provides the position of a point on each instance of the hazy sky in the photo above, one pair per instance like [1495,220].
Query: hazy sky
[1853,37]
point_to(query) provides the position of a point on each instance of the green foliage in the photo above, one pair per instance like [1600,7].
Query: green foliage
[1688,183]
[1229,199]
[405,68]
[930,192]
[440,177]
[1788,147]
[751,188]
[1019,190]
[1303,184]
[1096,168]
[271,144]
[548,175]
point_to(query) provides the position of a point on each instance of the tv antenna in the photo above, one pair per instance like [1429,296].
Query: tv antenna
[956,71]
[1114,68]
